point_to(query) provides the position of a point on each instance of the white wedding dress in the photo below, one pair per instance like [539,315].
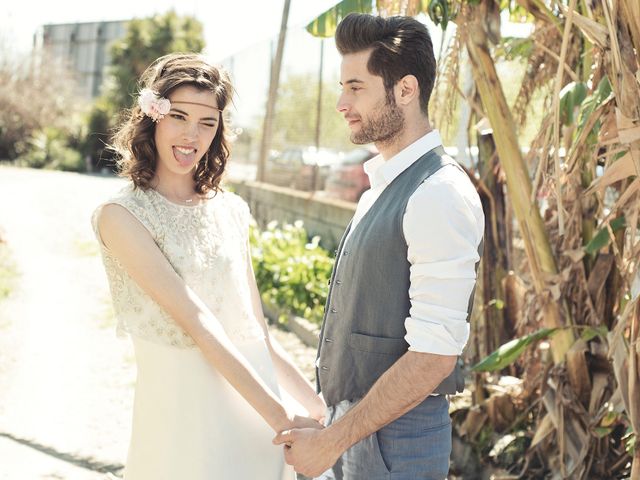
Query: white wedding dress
[188,422]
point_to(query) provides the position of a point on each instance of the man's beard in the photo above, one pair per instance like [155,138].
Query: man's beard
[383,125]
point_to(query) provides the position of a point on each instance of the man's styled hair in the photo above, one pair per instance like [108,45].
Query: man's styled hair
[400,46]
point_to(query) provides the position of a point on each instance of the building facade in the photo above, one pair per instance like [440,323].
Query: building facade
[85,48]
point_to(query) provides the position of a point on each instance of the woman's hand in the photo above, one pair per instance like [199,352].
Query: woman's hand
[305,422]
[294,421]
[317,408]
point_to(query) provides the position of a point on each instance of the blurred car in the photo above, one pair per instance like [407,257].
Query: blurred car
[302,168]
[346,180]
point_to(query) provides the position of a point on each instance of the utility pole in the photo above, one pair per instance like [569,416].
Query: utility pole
[274,81]
[318,114]
[319,106]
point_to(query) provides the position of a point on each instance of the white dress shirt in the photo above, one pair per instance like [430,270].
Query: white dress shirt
[443,225]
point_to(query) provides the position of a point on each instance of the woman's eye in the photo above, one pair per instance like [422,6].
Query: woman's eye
[177,116]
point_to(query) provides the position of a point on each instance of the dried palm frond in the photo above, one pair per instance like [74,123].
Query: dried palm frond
[443,104]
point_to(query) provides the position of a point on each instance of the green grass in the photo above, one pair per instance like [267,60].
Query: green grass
[8,271]
[87,248]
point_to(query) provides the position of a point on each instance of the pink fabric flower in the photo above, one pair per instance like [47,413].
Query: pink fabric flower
[152,105]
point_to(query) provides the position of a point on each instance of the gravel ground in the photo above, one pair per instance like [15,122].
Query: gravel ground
[66,381]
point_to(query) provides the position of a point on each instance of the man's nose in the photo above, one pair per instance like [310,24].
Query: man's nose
[341,105]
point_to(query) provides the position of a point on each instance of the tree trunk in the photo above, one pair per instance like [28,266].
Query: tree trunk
[274,82]
[496,259]
[635,466]
[541,260]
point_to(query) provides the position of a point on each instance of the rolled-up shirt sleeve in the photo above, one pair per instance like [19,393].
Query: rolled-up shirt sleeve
[443,227]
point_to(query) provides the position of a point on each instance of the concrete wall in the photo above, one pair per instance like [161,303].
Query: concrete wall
[321,216]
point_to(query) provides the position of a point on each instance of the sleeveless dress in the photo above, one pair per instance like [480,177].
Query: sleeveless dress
[188,421]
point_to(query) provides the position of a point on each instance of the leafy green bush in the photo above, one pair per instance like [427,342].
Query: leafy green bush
[67,159]
[145,40]
[49,148]
[292,272]
[36,152]
[99,123]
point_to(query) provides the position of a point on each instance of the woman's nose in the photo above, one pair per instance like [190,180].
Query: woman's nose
[190,130]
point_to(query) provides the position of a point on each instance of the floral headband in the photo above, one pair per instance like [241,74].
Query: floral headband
[152,105]
[156,107]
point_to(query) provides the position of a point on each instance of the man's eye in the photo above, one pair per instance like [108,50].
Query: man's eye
[211,125]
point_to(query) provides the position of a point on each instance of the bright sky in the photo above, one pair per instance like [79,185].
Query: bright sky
[230,25]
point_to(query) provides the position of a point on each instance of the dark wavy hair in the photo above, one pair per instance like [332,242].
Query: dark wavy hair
[400,46]
[134,141]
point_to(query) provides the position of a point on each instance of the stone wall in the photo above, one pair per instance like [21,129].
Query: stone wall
[321,216]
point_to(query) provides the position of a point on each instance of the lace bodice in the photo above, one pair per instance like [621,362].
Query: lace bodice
[207,246]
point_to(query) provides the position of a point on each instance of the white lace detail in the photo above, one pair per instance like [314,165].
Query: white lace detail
[207,246]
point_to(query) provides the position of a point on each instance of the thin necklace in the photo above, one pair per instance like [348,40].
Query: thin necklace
[181,200]
[186,200]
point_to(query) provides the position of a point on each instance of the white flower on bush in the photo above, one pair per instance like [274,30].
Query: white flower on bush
[152,105]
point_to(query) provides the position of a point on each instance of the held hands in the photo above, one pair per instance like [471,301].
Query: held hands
[310,451]
[305,422]
[300,441]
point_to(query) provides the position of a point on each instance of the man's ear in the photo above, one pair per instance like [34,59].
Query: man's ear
[407,90]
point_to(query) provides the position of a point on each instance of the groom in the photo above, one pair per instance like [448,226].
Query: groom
[402,287]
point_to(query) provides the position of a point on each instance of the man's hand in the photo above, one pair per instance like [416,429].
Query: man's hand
[310,451]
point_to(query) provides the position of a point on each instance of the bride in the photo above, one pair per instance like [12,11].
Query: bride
[175,250]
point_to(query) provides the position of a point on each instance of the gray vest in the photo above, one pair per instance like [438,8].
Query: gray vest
[363,328]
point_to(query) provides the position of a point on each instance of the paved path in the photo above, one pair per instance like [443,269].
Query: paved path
[65,379]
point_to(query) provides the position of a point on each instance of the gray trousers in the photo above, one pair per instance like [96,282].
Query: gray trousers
[415,446]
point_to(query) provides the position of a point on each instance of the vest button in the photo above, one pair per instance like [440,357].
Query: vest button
[338,282]
[345,253]
[328,340]
[324,368]
[333,310]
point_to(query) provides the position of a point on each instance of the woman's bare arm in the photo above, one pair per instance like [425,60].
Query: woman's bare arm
[130,242]
[289,375]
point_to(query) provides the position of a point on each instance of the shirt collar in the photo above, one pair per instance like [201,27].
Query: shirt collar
[381,172]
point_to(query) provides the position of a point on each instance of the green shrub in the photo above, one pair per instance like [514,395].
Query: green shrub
[67,159]
[36,152]
[292,272]
[99,123]
[49,148]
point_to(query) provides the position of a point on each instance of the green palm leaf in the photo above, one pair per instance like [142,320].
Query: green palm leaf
[325,25]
